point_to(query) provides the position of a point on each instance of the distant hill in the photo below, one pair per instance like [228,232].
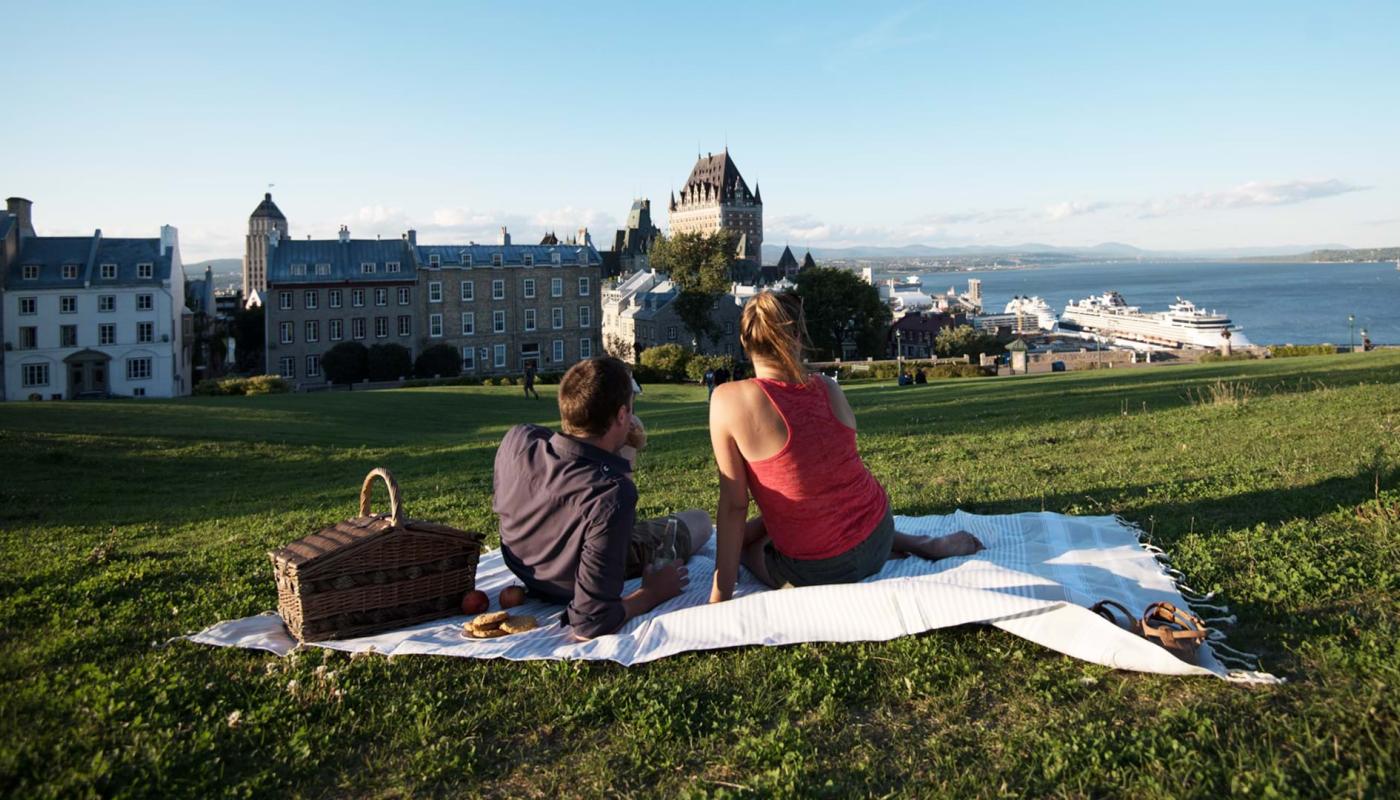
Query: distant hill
[226,270]
[1105,250]
[1341,255]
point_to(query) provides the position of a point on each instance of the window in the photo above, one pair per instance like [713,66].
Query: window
[528,260]
[313,331]
[36,374]
[498,290]
[468,323]
[585,348]
[468,358]
[495,259]
[554,258]
[31,273]
[367,268]
[108,272]
[435,326]
[500,353]
[145,302]
[337,330]
[138,391]
[583,287]
[311,299]
[28,337]
[70,272]
[435,291]
[144,270]
[434,260]
[556,287]
[289,367]
[670,333]
[556,315]
[313,366]
[405,325]
[28,305]
[381,327]
[357,328]
[284,332]
[498,321]
[357,298]
[323,269]
[558,351]
[585,316]
[298,270]
[466,258]
[529,319]
[405,297]
[381,296]
[107,333]
[145,332]
[333,298]
[284,301]
[728,327]
[468,291]
[67,335]
[106,303]
[138,369]
[391,266]
[529,288]
[583,257]
[68,304]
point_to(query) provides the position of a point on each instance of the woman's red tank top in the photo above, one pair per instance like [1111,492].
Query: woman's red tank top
[817,498]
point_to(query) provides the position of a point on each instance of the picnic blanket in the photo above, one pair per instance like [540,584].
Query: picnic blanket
[1035,579]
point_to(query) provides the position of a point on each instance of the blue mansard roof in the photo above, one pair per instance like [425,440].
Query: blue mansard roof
[88,253]
[295,261]
[512,255]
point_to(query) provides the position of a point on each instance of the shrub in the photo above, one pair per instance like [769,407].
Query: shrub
[265,384]
[965,340]
[389,362]
[546,378]
[698,365]
[1211,358]
[507,381]
[347,362]
[666,362]
[258,384]
[438,361]
[1295,350]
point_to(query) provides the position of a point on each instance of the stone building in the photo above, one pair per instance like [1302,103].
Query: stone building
[505,305]
[715,198]
[90,316]
[632,244]
[639,313]
[266,220]
[914,334]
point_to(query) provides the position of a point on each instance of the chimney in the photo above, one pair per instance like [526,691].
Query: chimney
[505,237]
[344,234]
[169,238]
[412,238]
[22,209]
[583,237]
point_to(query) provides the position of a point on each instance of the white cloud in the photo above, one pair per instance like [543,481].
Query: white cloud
[1252,194]
[1062,211]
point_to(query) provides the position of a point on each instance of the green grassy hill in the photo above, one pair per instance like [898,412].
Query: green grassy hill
[1277,483]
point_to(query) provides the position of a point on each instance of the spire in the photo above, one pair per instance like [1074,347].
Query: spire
[757,195]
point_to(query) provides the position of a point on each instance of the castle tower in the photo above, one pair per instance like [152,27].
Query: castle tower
[266,219]
[716,198]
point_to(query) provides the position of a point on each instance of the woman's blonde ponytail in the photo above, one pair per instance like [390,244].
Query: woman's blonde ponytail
[774,328]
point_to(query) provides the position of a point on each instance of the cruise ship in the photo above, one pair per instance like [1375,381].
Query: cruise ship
[1021,315]
[1181,325]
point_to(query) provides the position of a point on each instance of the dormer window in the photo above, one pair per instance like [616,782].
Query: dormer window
[323,269]
[31,272]
[109,272]
[70,272]
[145,270]
[391,266]
[367,268]
[434,260]
[554,257]
[529,260]
[466,259]
[583,257]
[496,259]
[298,269]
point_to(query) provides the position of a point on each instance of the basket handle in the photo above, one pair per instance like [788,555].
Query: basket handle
[396,514]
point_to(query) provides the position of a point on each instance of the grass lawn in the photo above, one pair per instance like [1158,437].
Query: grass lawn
[123,524]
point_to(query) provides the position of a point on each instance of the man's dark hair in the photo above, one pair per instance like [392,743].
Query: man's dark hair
[591,393]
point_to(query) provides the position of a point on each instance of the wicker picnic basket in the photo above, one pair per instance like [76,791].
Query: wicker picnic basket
[373,573]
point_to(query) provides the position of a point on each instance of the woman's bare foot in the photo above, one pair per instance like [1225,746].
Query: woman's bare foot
[960,543]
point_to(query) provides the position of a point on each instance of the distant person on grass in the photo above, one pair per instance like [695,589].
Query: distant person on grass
[788,439]
[530,380]
[568,506]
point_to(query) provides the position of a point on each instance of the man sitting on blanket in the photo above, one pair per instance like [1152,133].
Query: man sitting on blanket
[568,506]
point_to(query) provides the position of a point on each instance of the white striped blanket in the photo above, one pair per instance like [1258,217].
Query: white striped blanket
[1036,578]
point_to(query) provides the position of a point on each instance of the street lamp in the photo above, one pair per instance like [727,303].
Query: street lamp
[1364,340]
[899,351]
[1351,329]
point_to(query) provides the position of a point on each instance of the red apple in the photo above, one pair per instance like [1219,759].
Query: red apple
[512,596]
[475,602]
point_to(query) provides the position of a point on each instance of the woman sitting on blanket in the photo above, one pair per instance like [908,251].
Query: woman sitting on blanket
[788,438]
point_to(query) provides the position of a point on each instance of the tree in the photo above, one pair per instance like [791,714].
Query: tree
[965,340]
[438,361]
[842,308]
[666,362]
[618,347]
[249,339]
[699,265]
[347,362]
[389,362]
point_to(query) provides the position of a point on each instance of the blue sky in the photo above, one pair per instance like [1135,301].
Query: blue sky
[1164,125]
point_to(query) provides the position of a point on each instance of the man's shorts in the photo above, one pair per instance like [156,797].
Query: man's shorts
[647,537]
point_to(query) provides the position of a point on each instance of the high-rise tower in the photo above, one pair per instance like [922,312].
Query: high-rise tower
[266,218]
[716,198]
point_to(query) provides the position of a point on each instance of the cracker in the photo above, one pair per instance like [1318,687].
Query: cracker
[519,624]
